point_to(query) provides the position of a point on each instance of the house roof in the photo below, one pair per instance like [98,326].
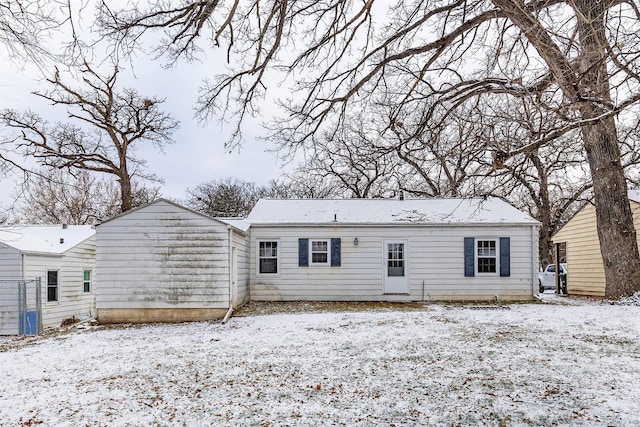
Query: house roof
[236,223]
[239,223]
[48,239]
[434,211]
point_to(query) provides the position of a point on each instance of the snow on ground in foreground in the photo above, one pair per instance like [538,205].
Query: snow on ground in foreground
[532,364]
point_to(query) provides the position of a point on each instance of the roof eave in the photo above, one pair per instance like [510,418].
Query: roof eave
[43,253]
[395,224]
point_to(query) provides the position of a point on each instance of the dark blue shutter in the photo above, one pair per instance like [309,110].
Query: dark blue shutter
[505,257]
[335,252]
[303,252]
[469,257]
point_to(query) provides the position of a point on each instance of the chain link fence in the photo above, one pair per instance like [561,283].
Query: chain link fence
[21,307]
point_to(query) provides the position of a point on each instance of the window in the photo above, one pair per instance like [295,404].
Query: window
[319,252]
[395,260]
[487,256]
[86,281]
[52,286]
[486,253]
[268,257]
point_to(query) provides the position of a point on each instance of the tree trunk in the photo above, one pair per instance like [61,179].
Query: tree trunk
[544,213]
[616,231]
[126,196]
[586,85]
[617,234]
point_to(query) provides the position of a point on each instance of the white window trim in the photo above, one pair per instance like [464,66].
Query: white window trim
[277,241]
[497,256]
[90,280]
[46,286]
[320,264]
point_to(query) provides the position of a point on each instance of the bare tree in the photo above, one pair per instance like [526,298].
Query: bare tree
[53,196]
[223,198]
[364,160]
[25,25]
[105,127]
[235,198]
[446,160]
[428,57]
[300,184]
[550,182]
[355,160]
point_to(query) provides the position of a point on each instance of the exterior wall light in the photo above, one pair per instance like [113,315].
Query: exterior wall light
[355,241]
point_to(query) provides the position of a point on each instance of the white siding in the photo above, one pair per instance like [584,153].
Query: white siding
[72,300]
[10,263]
[436,260]
[241,243]
[162,256]
[10,269]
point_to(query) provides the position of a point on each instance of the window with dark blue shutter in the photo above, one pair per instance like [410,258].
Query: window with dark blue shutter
[505,257]
[335,252]
[469,257]
[303,252]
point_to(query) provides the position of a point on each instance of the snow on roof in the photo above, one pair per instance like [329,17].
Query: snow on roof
[52,239]
[239,223]
[634,195]
[489,210]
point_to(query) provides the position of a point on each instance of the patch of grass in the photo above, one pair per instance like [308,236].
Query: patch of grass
[292,307]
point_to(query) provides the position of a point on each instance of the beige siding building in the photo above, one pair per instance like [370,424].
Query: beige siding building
[583,257]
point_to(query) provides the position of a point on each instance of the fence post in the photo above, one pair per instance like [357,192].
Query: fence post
[22,307]
[38,306]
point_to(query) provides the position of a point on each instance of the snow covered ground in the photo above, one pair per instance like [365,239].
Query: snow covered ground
[523,364]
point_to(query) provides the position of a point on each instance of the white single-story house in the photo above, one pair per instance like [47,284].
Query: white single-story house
[62,256]
[391,250]
[581,249]
[166,263]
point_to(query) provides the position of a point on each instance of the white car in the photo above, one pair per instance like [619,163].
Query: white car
[547,278]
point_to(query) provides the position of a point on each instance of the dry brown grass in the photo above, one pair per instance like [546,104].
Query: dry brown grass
[289,307]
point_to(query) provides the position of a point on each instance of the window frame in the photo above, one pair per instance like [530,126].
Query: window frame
[259,257]
[313,263]
[495,256]
[87,284]
[56,287]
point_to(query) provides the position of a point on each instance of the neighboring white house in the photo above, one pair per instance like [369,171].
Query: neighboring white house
[165,263]
[62,256]
[392,250]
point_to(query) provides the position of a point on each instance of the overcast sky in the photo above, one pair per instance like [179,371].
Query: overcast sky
[198,154]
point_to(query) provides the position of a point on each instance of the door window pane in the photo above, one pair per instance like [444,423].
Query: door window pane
[395,259]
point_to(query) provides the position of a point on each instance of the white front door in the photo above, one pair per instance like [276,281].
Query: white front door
[396,267]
